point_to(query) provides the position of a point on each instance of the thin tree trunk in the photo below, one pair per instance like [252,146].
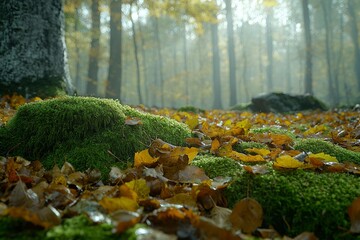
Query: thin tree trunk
[217,104]
[160,61]
[136,57]
[269,49]
[231,53]
[77,50]
[94,52]
[113,89]
[355,39]
[186,76]
[143,61]
[308,48]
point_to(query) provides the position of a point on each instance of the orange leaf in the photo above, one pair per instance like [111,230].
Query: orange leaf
[132,121]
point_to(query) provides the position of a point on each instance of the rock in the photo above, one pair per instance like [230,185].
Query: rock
[282,103]
[87,132]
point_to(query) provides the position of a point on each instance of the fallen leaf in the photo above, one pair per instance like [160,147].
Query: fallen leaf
[354,215]
[247,215]
[133,121]
[143,158]
[120,203]
[287,161]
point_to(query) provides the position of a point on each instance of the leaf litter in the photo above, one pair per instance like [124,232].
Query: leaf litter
[163,191]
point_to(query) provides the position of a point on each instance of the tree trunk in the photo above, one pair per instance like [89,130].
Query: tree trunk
[113,89]
[33,58]
[355,39]
[136,58]
[308,48]
[143,61]
[217,104]
[94,52]
[77,50]
[269,49]
[160,62]
[231,53]
[332,93]
[186,76]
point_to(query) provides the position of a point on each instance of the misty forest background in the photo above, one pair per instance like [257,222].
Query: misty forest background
[213,54]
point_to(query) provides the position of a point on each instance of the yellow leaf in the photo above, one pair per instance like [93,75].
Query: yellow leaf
[192,121]
[246,158]
[143,158]
[140,187]
[280,139]
[315,129]
[126,191]
[324,156]
[287,161]
[123,203]
[215,144]
[260,151]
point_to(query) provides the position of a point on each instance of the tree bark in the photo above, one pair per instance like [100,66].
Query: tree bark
[113,89]
[33,58]
[138,78]
[186,70]
[94,52]
[269,49]
[355,39]
[217,103]
[308,48]
[231,53]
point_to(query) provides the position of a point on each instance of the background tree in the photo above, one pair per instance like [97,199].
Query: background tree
[308,47]
[33,58]
[94,51]
[113,89]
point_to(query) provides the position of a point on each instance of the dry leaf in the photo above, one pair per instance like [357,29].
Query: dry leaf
[247,215]
[354,215]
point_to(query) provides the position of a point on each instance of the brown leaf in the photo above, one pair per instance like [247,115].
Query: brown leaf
[354,215]
[306,236]
[21,196]
[247,215]
[133,121]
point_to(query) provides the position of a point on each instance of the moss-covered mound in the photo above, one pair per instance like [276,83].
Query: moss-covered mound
[318,146]
[87,132]
[293,201]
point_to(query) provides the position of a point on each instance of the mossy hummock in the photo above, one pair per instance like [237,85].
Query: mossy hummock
[87,132]
[294,201]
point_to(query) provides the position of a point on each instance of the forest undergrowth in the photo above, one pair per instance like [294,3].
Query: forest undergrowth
[164,195]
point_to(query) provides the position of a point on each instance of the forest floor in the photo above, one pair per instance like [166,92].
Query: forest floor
[164,194]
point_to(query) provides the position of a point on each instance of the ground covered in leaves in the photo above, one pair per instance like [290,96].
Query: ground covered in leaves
[165,193]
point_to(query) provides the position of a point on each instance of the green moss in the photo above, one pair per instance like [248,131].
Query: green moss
[273,129]
[293,201]
[240,147]
[13,228]
[318,145]
[78,228]
[87,132]
[217,166]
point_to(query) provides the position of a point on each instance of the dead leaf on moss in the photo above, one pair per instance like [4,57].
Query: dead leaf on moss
[354,215]
[247,215]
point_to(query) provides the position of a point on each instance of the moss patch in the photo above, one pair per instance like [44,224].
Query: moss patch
[293,201]
[78,228]
[12,228]
[87,132]
[318,145]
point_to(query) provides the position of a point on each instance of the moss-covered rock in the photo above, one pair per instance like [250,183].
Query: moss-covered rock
[318,146]
[293,201]
[87,132]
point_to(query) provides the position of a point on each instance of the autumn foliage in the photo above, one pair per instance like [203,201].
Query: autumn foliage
[162,188]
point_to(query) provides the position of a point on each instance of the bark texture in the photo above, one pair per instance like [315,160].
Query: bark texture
[33,59]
